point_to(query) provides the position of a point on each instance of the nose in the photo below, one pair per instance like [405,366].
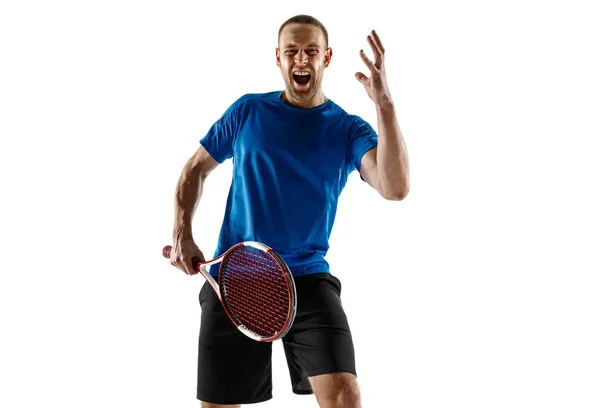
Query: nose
[301,57]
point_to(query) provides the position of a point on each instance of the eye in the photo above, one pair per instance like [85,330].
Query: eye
[290,52]
[312,52]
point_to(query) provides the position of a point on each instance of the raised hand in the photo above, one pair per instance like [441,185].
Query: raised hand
[376,84]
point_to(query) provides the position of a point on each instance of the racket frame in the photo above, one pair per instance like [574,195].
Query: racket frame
[203,268]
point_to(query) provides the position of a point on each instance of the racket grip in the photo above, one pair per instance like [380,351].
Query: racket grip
[167,254]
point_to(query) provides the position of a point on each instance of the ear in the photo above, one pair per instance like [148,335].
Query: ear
[277,57]
[328,54]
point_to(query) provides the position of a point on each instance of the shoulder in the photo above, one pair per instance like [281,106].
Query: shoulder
[257,98]
[341,114]
[251,101]
[352,123]
[359,125]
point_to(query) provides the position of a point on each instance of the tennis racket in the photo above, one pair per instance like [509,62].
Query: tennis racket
[255,287]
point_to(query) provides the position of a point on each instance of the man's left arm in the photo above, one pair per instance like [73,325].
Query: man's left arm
[384,167]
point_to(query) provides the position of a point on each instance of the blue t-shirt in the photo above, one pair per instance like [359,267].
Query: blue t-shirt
[289,168]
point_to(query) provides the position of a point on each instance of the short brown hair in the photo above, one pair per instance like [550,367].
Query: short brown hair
[305,19]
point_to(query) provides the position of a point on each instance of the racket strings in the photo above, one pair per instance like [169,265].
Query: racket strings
[255,288]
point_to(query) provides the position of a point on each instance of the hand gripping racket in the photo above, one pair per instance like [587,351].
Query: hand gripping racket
[255,287]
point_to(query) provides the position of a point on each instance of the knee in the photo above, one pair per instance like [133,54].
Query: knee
[346,398]
[338,390]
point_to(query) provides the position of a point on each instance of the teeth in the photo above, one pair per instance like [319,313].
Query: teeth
[301,73]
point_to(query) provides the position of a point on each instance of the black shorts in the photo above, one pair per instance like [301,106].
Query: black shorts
[234,369]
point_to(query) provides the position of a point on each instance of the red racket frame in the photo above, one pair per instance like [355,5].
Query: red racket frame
[203,268]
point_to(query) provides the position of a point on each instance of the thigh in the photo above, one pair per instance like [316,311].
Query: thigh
[232,368]
[320,341]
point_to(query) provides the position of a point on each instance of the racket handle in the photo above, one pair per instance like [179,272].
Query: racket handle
[167,254]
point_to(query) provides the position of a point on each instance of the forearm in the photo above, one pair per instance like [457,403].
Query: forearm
[392,155]
[187,195]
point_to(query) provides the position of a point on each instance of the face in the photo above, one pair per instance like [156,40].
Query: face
[302,57]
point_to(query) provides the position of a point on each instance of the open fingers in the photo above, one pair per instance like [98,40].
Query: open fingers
[377,47]
[378,42]
[370,64]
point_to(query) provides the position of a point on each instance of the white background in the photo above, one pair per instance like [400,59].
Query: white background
[478,290]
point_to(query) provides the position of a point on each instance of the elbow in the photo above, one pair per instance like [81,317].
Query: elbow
[398,193]
[399,196]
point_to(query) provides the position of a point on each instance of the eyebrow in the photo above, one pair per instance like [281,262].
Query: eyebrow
[314,45]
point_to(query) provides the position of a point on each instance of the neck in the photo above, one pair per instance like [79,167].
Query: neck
[313,102]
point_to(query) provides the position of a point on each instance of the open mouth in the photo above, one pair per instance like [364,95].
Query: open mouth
[301,78]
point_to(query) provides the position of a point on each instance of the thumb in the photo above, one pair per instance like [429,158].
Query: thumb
[362,78]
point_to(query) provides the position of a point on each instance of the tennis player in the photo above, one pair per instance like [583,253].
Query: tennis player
[292,152]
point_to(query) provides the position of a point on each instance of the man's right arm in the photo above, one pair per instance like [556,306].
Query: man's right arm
[187,195]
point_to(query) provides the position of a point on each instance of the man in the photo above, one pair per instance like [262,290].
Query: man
[293,152]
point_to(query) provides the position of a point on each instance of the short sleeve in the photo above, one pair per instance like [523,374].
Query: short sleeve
[218,142]
[362,139]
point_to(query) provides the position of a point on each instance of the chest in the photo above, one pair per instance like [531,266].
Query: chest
[314,141]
